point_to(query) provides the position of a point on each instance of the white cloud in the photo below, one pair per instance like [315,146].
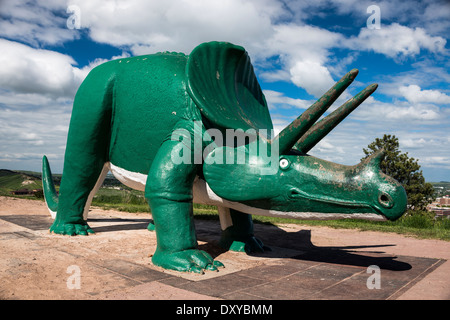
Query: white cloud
[28,70]
[29,133]
[397,41]
[36,94]
[302,41]
[412,142]
[436,161]
[35,22]
[436,17]
[397,112]
[311,75]
[414,94]
[175,25]
[427,146]
[277,99]
[416,112]
[304,51]
[327,146]
[150,26]
[276,75]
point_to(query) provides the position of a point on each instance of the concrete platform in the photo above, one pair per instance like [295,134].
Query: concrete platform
[306,263]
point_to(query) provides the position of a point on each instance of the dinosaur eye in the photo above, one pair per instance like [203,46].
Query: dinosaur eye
[284,163]
[385,200]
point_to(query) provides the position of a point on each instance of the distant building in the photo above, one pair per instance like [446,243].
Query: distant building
[25,192]
[441,207]
[445,200]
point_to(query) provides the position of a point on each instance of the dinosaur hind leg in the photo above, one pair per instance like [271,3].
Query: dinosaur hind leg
[97,186]
[237,232]
[86,153]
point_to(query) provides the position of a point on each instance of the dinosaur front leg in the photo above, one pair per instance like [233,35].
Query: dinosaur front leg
[169,192]
[237,232]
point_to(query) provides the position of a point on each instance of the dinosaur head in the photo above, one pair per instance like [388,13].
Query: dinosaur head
[317,185]
[291,183]
[307,187]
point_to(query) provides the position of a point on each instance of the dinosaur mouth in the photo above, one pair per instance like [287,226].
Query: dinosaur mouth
[295,193]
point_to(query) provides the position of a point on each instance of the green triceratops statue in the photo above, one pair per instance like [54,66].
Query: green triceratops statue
[151,120]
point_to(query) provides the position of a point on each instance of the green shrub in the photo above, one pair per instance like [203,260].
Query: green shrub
[417,221]
[39,194]
[443,223]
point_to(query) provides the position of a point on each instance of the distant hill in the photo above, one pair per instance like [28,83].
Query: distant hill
[29,180]
[441,188]
[15,181]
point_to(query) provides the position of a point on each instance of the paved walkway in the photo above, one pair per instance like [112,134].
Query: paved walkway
[305,263]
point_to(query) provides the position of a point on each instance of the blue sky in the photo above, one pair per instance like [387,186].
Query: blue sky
[299,49]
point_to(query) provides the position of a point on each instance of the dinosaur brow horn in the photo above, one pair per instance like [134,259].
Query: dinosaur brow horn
[319,130]
[290,135]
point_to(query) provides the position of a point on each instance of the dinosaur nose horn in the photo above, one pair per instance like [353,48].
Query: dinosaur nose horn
[290,135]
[374,160]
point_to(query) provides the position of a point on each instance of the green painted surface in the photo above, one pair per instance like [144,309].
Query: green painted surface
[223,85]
[309,184]
[127,112]
[239,237]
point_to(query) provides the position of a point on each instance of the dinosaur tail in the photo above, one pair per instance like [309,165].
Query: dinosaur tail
[50,195]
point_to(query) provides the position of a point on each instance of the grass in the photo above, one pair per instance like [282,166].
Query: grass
[420,225]
[411,225]
[121,200]
[11,180]
[417,224]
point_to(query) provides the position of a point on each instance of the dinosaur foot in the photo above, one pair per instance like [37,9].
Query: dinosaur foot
[192,260]
[249,245]
[71,229]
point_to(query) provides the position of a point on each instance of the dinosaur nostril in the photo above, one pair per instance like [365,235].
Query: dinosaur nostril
[385,200]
